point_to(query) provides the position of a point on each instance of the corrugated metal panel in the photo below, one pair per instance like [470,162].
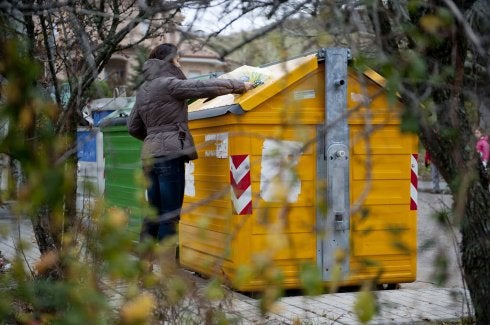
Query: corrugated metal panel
[122,168]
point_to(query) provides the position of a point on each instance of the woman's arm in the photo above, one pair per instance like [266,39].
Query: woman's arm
[188,89]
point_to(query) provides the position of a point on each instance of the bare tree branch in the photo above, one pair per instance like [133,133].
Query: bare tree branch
[247,39]
[467,28]
[51,60]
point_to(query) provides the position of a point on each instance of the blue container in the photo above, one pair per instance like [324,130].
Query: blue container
[86,146]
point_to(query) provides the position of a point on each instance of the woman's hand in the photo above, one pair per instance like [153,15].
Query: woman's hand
[248,86]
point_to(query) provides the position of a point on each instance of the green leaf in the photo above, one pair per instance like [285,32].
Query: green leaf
[417,66]
[409,123]
[243,275]
[214,290]
[365,306]
[311,279]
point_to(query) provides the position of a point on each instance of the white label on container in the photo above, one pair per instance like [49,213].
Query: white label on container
[190,188]
[278,175]
[360,98]
[219,144]
[304,94]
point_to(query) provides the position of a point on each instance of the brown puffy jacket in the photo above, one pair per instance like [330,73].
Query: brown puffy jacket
[159,116]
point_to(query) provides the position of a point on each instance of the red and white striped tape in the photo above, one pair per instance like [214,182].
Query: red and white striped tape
[241,186]
[414,181]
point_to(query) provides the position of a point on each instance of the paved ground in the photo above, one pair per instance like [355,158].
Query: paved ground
[404,306]
[421,302]
[437,242]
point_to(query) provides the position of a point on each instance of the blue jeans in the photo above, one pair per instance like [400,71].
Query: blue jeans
[165,195]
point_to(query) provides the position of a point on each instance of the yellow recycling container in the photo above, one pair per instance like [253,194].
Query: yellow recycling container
[308,168]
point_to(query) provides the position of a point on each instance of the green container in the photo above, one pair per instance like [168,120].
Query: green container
[123,176]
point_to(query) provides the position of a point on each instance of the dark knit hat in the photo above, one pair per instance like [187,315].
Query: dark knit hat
[165,52]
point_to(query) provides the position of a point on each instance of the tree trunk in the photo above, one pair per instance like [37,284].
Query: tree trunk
[475,230]
[70,166]
[42,231]
[50,224]
[45,231]
[47,242]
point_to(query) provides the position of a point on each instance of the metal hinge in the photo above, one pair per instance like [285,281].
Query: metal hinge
[322,54]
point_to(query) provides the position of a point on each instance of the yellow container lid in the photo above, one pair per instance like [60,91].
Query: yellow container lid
[274,78]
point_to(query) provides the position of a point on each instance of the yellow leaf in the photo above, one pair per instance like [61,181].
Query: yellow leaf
[276,239]
[340,255]
[139,309]
[12,93]
[26,117]
[47,260]
[117,218]
[431,24]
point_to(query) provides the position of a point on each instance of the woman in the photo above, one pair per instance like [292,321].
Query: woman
[482,146]
[434,172]
[159,118]
[483,149]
